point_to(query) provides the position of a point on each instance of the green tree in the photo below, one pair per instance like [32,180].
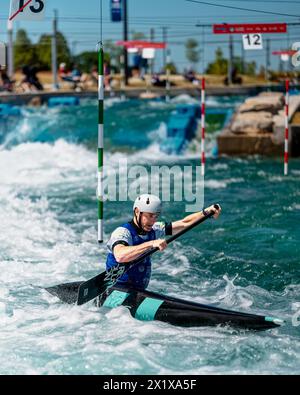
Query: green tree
[219,66]
[24,50]
[43,49]
[172,67]
[250,68]
[191,51]
[86,61]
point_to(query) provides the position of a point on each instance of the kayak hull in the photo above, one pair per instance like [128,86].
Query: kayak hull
[148,306]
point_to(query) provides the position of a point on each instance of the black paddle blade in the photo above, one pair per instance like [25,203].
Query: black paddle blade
[67,293]
[99,284]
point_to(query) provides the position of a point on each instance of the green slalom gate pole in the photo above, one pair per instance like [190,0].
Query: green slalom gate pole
[100,141]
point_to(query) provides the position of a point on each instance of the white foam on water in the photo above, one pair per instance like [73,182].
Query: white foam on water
[112,101]
[42,336]
[38,165]
[184,99]
[295,172]
[234,295]
[215,184]
[30,124]
[276,178]
[219,166]
[159,104]
[222,184]
[33,238]
[39,335]
[221,102]
[159,134]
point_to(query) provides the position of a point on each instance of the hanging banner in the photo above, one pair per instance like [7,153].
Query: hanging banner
[141,44]
[250,28]
[27,10]
[2,55]
[289,52]
[116,10]
[252,41]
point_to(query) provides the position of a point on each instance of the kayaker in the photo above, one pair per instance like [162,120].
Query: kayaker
[131,240]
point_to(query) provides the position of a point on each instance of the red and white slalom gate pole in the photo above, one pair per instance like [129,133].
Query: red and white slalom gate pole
[203,128]
[286,141]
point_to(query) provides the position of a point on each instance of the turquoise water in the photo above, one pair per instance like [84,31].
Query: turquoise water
[247,260]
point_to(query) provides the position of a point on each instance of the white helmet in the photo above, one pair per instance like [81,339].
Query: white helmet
[148,204]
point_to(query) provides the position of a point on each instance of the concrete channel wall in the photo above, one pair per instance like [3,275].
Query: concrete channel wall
[43,97]
[258,127]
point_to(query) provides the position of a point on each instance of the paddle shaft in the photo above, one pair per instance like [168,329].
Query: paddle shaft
[173,238]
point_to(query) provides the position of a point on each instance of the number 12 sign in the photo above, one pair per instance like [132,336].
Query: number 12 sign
[27,10]
[252,41]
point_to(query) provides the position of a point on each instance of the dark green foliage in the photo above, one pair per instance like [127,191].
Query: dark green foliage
[43,49]
[220,65]
[39,54]
[172,67]
[24,51]
[191,51]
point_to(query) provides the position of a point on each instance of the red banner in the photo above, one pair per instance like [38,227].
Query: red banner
[288,52]
[141,44]
[250,28]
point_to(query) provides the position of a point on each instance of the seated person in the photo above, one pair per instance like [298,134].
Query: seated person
[156,81]
[190,76]
[30,82]
[74,76]
[95,74]
[6,83]
[235,79]
[107,76]
[62,70]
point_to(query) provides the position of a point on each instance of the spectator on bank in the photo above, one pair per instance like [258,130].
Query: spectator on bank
[6,84]
[156,81]
[62,71]
[75,77]
[235,78]
[143,68]
[140,65]
[95,75]
[190,76]
[92,79]
[76,73]
[30,81]
[107,76]
[137,59]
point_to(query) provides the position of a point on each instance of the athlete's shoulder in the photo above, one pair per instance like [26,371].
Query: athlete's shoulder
[121,233]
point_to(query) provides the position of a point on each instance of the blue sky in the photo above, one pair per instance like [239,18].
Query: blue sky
[80,22]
